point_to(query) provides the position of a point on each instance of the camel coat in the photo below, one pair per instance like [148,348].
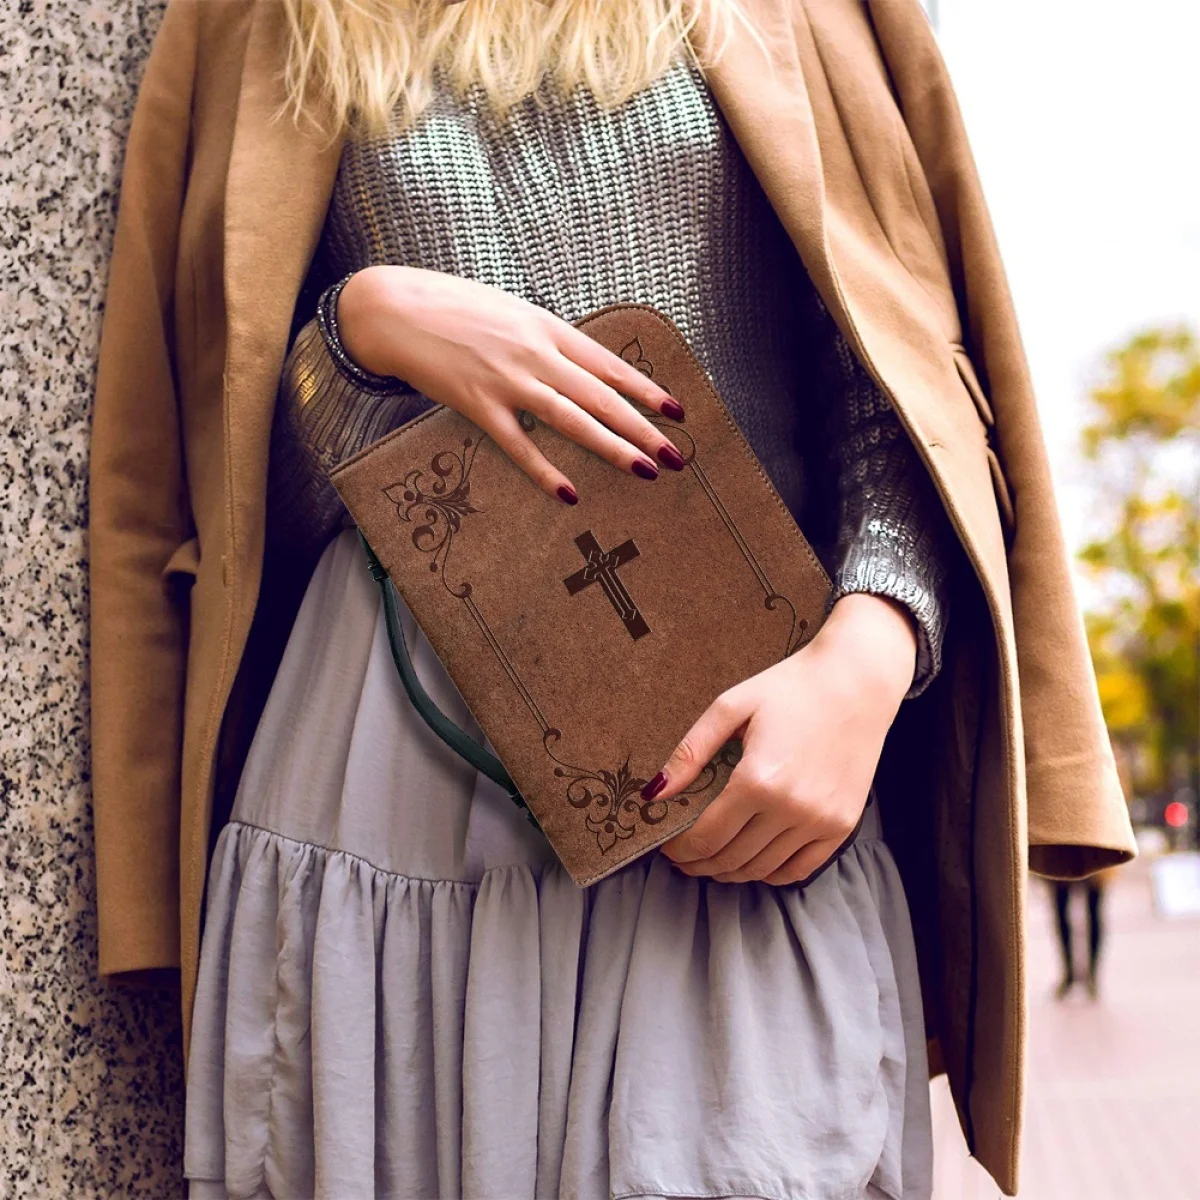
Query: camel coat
[853,131]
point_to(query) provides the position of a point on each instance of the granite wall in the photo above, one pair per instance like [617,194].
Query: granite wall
[90,1078]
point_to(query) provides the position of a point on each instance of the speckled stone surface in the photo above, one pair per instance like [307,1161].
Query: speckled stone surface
[90,1075]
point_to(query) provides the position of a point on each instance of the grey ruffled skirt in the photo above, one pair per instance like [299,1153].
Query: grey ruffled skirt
[402,994]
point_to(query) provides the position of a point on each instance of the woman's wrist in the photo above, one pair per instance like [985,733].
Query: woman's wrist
[349,313]
[876,637]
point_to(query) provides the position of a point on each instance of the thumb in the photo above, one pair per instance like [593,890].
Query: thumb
[715,726]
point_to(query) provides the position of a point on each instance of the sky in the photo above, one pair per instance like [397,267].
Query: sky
[1083,117]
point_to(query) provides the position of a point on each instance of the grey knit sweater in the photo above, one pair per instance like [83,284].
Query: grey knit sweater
[574,207]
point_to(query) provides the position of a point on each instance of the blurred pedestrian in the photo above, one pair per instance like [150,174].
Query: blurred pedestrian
[1093,888]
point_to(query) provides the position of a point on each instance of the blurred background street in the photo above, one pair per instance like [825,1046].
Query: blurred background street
[1114,1085]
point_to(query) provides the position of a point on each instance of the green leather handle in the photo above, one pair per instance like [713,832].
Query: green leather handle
[457,739]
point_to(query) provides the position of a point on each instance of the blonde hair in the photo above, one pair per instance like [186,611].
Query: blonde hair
[363,64]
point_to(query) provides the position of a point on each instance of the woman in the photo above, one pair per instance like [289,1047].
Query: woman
[511,1038]
[396,992]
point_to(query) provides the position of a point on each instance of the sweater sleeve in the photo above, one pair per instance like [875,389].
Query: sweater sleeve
[892,534]
[327,409]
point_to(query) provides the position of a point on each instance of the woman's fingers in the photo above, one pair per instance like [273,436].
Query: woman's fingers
[730,854]
[580,427]
[768,858]
[577,387]
[609,407]
[802,863]
[613,370]
[506,432]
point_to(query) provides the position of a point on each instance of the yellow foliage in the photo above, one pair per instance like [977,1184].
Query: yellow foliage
[1143,447]
[1124,698]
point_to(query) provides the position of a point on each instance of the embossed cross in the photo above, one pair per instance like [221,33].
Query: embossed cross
[602,568]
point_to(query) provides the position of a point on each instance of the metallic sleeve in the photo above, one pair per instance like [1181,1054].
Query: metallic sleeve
[893,535]
[325,411]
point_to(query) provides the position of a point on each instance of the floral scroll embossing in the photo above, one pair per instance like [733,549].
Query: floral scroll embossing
[435,499]
[611,800]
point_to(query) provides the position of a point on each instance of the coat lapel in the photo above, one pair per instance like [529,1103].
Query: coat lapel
[279,183]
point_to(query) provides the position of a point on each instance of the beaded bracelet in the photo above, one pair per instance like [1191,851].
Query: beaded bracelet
[367,381]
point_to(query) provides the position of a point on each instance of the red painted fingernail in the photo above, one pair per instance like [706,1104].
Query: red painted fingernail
[670,457]
[644,469]
[672,410]
[655,786]
[567,494]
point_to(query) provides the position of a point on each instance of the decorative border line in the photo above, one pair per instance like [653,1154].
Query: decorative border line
[771,598]
[509,669]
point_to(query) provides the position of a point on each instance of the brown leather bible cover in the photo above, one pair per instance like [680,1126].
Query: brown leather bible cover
[586,640]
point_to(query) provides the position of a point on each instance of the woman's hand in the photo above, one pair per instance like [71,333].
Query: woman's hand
[490,355]
[812,728]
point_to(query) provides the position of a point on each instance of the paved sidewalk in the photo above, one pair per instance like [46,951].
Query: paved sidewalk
[1113,1095]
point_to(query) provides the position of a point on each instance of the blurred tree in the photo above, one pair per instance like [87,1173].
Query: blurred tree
[1142,444]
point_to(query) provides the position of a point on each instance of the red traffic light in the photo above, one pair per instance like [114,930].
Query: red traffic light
[1176,814]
